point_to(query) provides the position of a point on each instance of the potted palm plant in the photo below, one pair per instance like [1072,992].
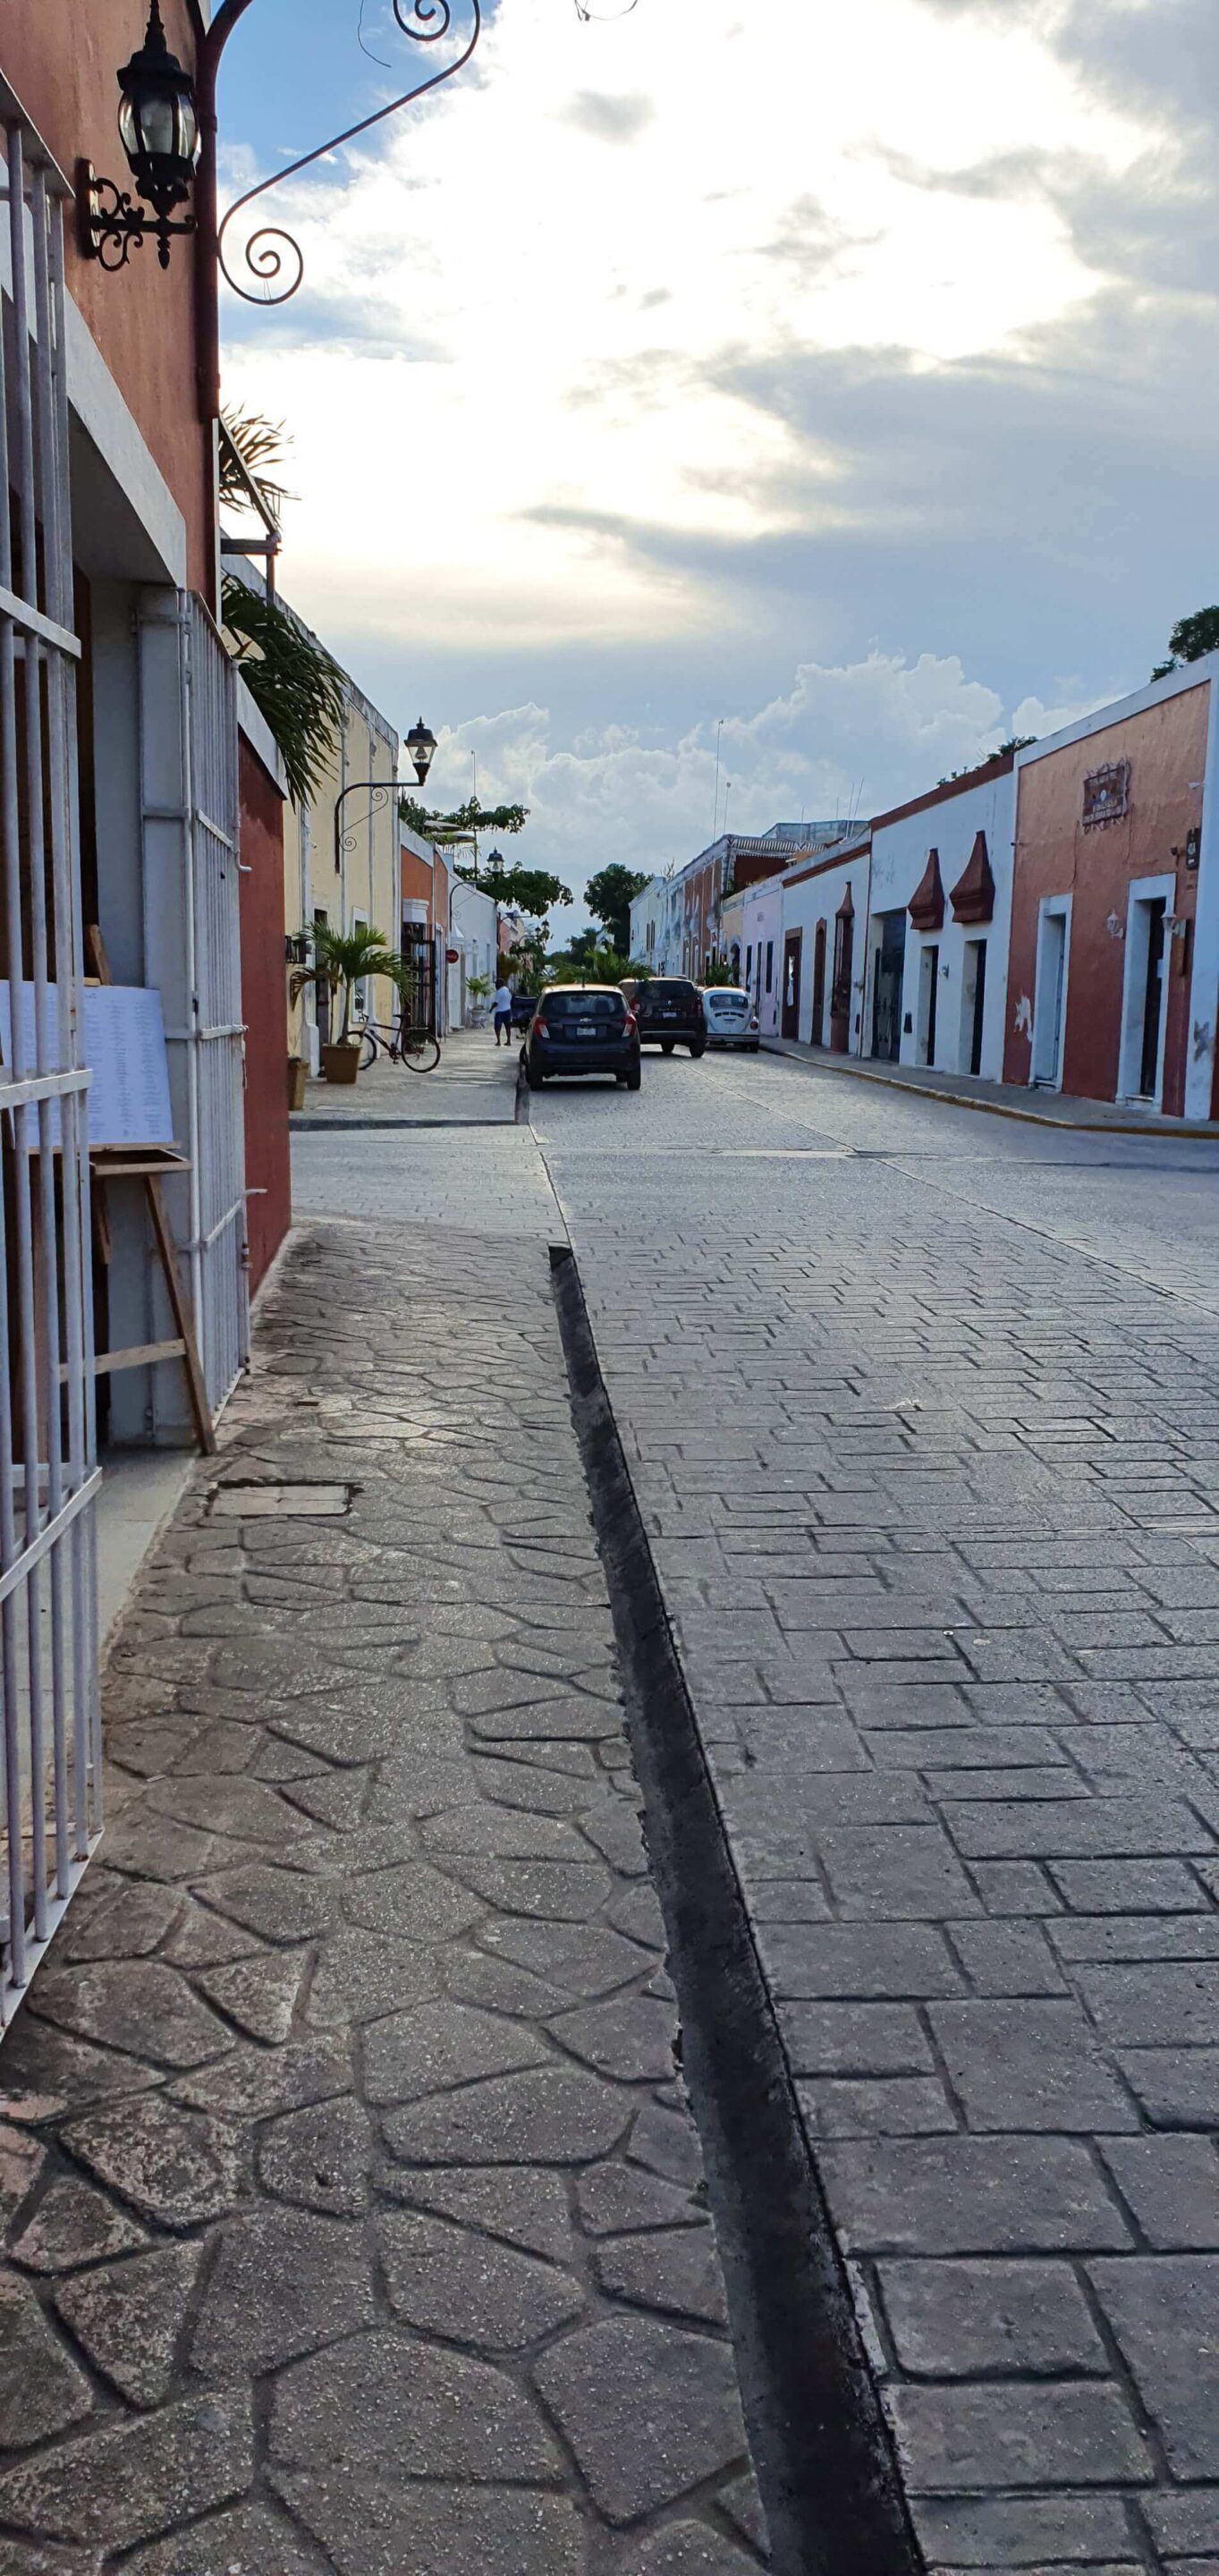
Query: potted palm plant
[343,959]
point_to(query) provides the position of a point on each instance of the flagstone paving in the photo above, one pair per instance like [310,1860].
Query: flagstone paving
[355,2215]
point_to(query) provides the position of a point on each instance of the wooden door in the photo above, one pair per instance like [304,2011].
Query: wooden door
[816,1031]
[790,1024]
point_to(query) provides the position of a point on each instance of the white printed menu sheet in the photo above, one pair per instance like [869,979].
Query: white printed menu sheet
[127,1102]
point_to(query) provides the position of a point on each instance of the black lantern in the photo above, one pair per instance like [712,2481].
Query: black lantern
[421,744]
[495,862]
[159,129]
[157,120]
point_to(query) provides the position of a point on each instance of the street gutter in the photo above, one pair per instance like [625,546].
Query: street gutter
[821,2446]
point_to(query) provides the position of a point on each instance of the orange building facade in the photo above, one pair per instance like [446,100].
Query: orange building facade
[1113,979]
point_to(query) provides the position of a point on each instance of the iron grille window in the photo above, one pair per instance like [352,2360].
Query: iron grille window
[50,1803]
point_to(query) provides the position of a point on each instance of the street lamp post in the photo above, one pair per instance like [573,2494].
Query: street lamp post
[421,744]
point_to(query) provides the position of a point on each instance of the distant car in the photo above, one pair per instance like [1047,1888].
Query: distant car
[730,1016]
[669,1011]
[523,1007]
[582,1028]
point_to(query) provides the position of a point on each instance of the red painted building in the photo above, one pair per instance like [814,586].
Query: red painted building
[1113,980]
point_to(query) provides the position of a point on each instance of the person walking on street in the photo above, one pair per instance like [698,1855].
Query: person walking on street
[503,1014]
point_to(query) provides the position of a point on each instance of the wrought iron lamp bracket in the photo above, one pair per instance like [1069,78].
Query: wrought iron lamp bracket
[381,792]
[112,225]
[270,253]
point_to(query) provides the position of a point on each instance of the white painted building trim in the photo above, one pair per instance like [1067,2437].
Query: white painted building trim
[1143,892]
[109,425]
[253,724]
[1046,1051]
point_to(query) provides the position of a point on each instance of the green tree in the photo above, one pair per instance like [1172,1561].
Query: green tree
[532,891]
[609,896]
[465,823]
[528,959]
[342,959]
[1191,637]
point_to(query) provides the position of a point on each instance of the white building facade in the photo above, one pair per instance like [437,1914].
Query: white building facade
[938,926]
[824,920]
[473,932]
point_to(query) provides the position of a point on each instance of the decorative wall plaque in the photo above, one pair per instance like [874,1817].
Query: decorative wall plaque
[1107,794]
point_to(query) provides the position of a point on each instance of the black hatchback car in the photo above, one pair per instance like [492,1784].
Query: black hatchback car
[582,1028]
[669,1011]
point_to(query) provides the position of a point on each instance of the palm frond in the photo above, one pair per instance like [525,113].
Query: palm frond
[291,678]
[260,446]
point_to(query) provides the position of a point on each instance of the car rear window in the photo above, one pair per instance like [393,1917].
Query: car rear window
[726,999]
[669,992]
[584,1006]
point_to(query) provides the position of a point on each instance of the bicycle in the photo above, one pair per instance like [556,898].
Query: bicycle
[417,1048]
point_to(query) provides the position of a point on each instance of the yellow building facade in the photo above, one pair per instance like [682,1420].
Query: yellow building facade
[341,861]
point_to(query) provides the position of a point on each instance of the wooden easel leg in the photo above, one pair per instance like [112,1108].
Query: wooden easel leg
[183,1318]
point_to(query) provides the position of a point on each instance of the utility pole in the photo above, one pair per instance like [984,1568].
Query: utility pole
[716,815]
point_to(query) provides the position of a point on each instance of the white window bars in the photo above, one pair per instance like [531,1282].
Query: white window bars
[50,1810]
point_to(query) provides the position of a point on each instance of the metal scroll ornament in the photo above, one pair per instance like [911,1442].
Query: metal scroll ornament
[270,256]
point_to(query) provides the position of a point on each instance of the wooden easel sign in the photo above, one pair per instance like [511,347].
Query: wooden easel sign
[129,1126]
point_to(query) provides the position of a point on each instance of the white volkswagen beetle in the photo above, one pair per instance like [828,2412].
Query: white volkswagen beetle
[730,1016]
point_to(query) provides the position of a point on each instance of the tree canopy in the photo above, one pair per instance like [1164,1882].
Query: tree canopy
[1191,637]
[533,891]
[609,896]
[465,823]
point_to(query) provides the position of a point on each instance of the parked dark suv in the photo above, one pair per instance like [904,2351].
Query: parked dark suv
[582,1028]
[670,1013]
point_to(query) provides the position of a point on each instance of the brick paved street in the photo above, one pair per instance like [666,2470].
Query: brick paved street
[355,2214]
[355,2219]
[923,1414]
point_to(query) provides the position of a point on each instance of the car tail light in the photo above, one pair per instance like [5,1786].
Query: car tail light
[632,1025]
[537,1026]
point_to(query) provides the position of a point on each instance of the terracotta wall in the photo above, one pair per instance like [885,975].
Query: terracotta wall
[1166,748]
[62,57]
[418,884]
[264,1008]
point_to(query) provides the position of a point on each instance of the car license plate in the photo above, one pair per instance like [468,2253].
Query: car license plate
[586,1029]
[668,1013]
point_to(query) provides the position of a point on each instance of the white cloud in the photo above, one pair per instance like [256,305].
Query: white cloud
[713,341]
[841,741]
[573,243]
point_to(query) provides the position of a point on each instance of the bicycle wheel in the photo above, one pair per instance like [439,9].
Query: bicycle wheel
[371,1047]
[420,1051]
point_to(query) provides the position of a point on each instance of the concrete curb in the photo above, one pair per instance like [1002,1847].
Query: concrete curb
[1183,1130]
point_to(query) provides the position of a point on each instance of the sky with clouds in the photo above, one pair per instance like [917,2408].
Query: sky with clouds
[847,374]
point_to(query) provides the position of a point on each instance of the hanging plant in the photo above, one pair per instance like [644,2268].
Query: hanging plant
[290,677]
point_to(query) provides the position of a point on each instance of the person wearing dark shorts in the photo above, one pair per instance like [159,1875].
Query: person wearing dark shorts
[503,1014]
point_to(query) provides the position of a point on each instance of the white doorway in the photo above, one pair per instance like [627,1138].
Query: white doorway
[973,1006]
[1050,997]
[1145,989]
[928,997]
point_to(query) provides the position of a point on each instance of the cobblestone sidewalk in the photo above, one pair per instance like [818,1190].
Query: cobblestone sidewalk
[355,2216]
